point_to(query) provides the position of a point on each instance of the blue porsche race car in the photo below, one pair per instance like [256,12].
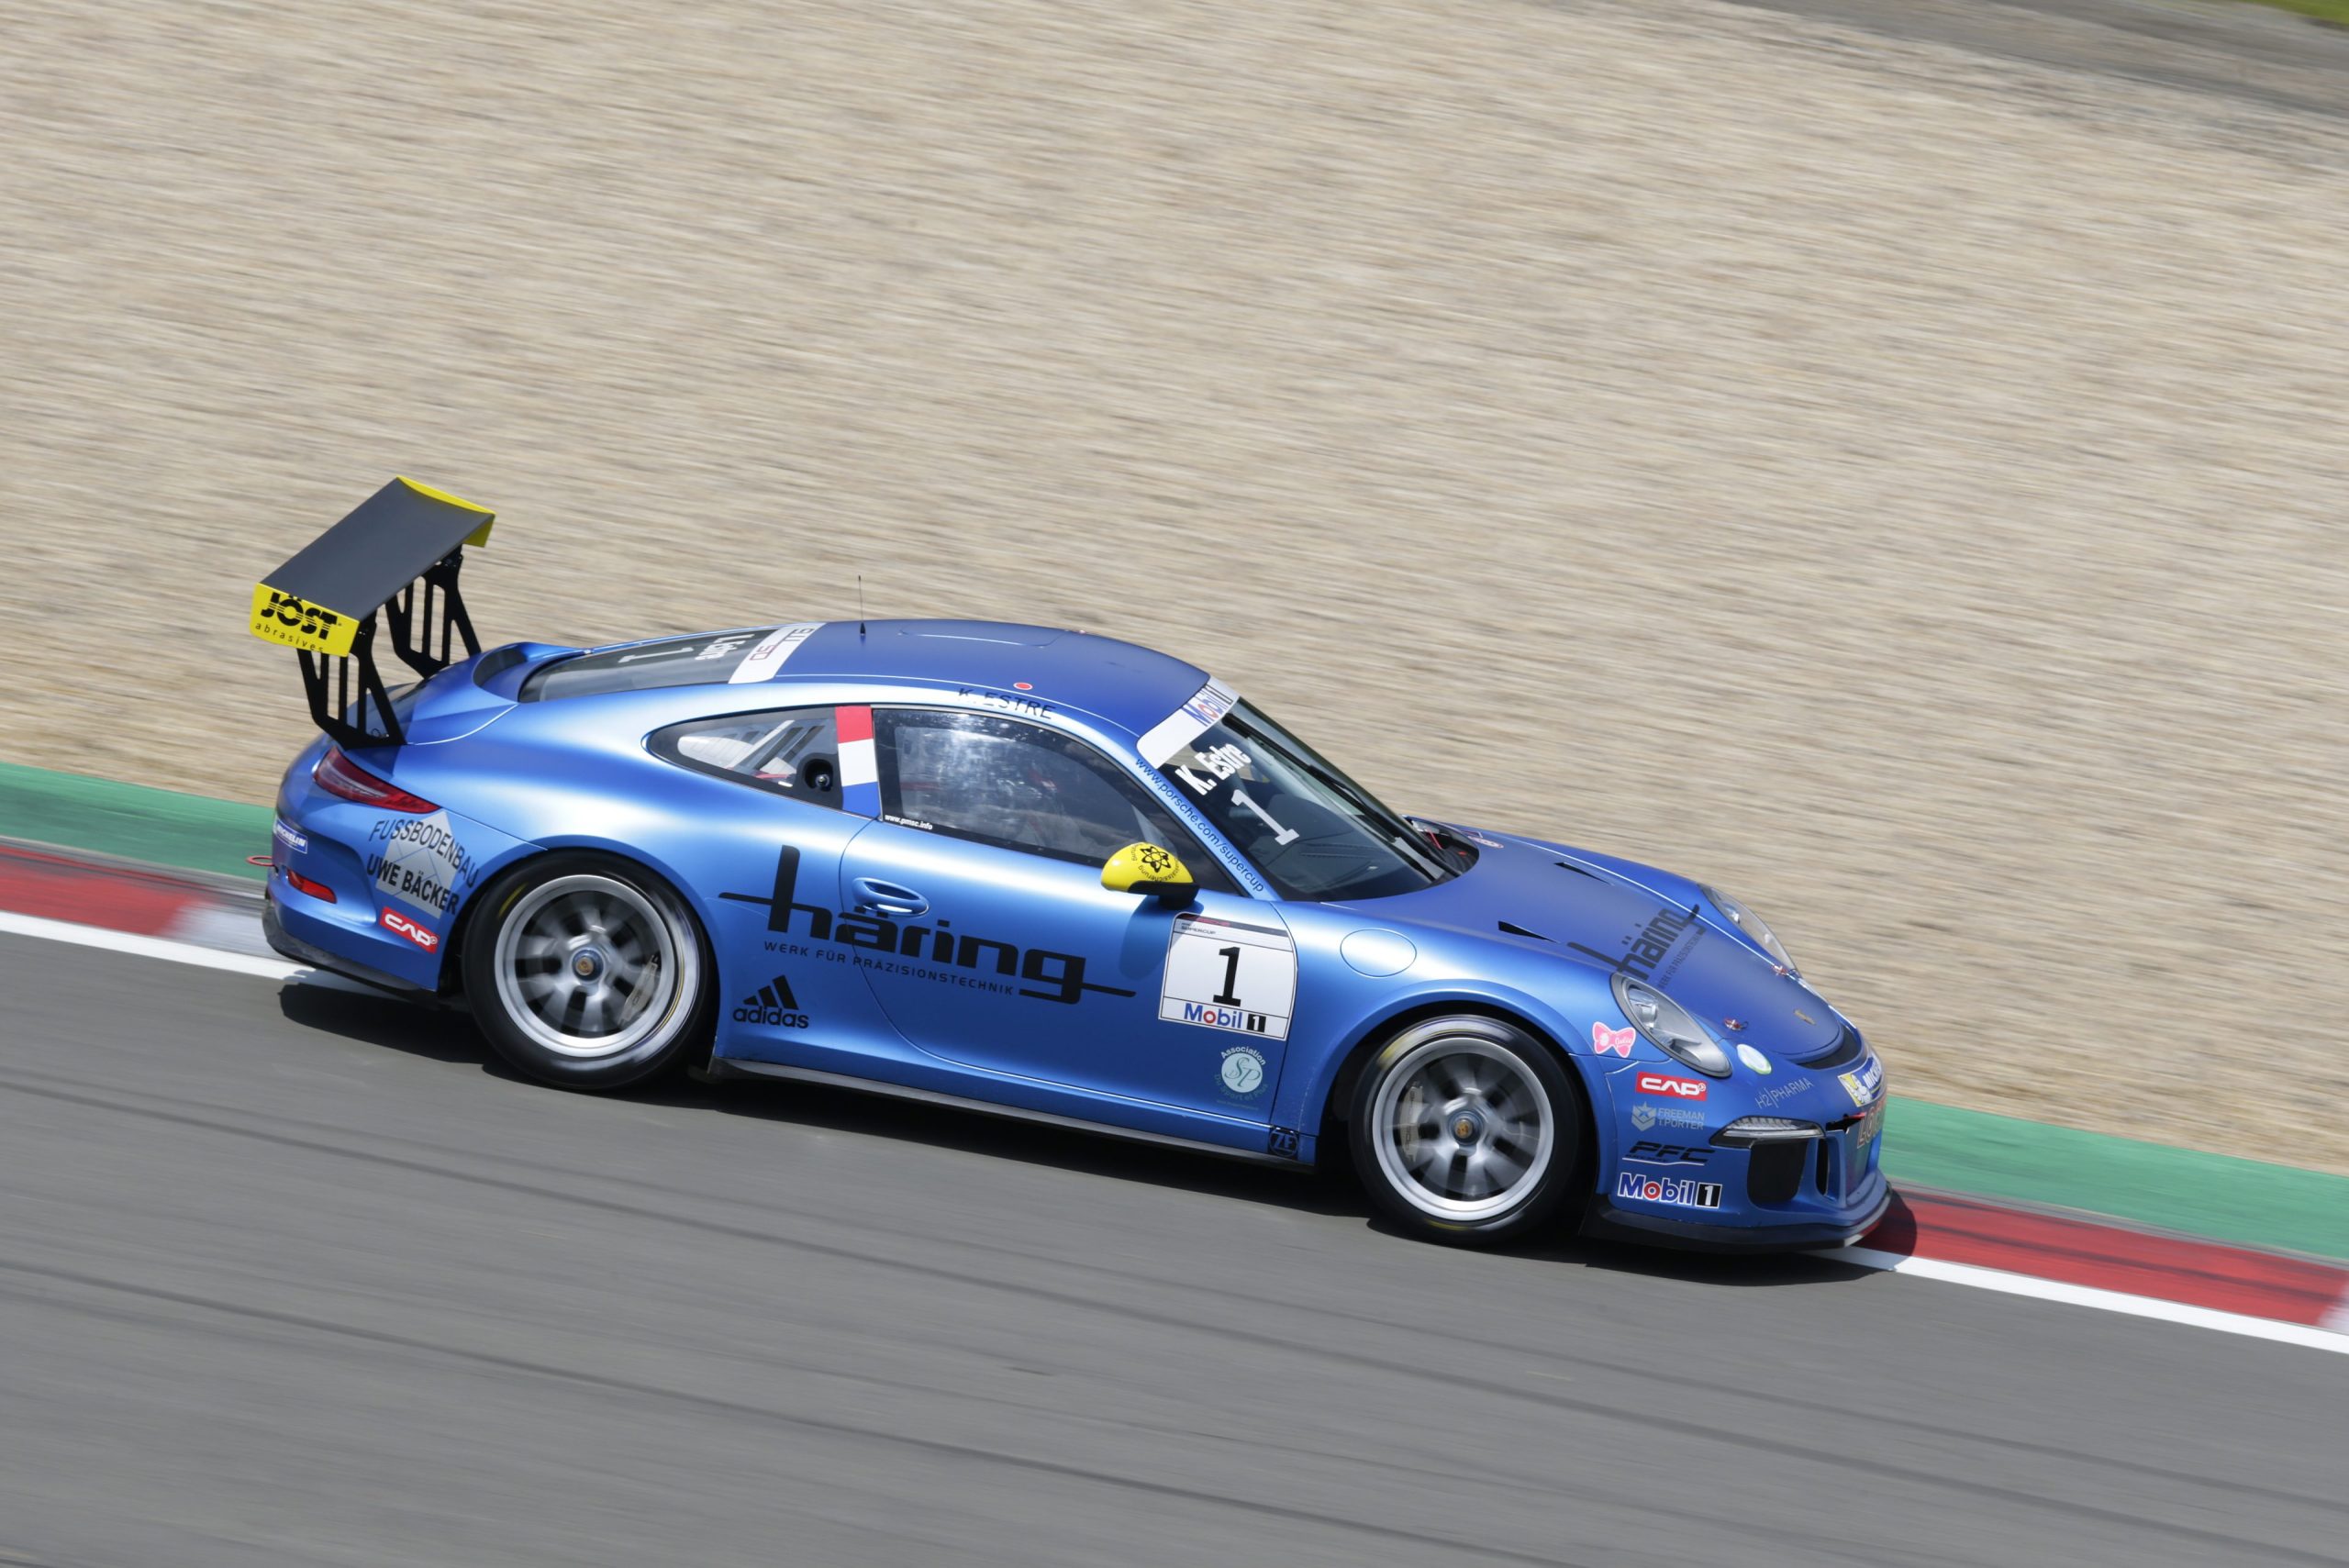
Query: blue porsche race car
[1040,874]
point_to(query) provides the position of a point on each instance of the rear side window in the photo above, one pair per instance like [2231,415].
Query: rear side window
[790,751]
[1020,786]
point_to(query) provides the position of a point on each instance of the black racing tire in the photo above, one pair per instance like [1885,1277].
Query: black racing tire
[588,971]
[1468,1131]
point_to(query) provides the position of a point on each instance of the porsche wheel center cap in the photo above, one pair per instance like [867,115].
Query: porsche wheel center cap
[1466,1127]
[587,963]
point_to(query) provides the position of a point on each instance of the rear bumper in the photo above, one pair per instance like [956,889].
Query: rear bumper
[1605,1221]
[287,945]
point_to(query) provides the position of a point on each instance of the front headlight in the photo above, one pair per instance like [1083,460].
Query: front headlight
[1753,925]
[1748,1130]
[1669,1027]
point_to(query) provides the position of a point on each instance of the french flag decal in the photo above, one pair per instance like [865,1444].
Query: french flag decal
[859,773]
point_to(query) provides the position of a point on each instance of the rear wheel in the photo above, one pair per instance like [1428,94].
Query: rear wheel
[1467,1130]
[588,971]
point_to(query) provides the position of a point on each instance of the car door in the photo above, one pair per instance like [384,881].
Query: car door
[997,948]
[773,847]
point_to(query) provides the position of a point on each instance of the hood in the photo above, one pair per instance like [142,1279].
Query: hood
[1534,897]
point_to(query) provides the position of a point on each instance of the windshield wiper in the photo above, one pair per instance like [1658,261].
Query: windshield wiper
[1462,848]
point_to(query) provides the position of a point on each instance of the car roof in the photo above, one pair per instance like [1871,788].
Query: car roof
[1125,685]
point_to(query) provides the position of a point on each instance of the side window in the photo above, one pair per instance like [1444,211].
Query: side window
[1020,786]
[792,751]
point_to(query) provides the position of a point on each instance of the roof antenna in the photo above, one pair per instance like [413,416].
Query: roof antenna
[859,604]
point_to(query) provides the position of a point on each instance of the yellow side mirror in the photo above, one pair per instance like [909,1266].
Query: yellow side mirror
[1149,870]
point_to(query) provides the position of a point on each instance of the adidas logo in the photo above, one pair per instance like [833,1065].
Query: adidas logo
[772,1006]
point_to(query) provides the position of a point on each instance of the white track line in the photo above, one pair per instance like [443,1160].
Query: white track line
[2090,1296]
[1863,1257]
[150,946]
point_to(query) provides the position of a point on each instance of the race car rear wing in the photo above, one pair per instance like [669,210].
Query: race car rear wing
[401,548]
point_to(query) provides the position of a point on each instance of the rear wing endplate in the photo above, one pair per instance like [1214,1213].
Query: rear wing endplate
[401,548]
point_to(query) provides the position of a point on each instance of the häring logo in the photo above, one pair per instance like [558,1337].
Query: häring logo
[288,619]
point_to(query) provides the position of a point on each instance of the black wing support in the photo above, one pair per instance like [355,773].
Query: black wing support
[400,550]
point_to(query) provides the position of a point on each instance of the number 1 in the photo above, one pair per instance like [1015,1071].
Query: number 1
[1280,835]
[1224,998]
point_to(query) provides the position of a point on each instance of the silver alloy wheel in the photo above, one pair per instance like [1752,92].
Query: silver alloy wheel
[1462,1129]
[589,966]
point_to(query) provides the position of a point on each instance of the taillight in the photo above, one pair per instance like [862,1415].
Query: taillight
[314,889]
[337,775]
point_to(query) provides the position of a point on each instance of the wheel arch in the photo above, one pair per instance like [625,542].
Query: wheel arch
[1330,1120]
[452,979]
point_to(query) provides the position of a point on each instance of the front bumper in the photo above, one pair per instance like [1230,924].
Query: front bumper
[1605,1221]
[1685,1177]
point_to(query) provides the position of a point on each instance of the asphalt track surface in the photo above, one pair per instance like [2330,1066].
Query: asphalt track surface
[290,1277]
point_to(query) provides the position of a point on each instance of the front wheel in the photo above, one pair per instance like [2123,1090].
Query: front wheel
[1467,1130]
[586,970]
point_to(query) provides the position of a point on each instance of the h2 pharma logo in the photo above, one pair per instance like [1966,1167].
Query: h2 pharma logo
[772,1004]
[399,925]
[1677,1191]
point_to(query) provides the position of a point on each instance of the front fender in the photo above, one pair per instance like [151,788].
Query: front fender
[1310,1100]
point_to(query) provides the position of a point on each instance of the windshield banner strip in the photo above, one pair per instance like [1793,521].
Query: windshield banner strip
[762,662]
[1182,727]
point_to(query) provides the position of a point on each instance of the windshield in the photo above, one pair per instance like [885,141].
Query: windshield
[1315,833]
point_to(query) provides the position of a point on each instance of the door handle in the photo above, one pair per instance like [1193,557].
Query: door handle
[876,897]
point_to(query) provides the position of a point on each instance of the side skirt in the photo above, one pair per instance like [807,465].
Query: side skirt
[726,1067]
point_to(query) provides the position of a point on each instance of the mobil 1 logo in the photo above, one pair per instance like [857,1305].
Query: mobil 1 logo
[1228,974]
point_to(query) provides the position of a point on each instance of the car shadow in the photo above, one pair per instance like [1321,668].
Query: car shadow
[448,1035]
[1101,1155]
[391,1021]
[1327,1192]
[1742,1270]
